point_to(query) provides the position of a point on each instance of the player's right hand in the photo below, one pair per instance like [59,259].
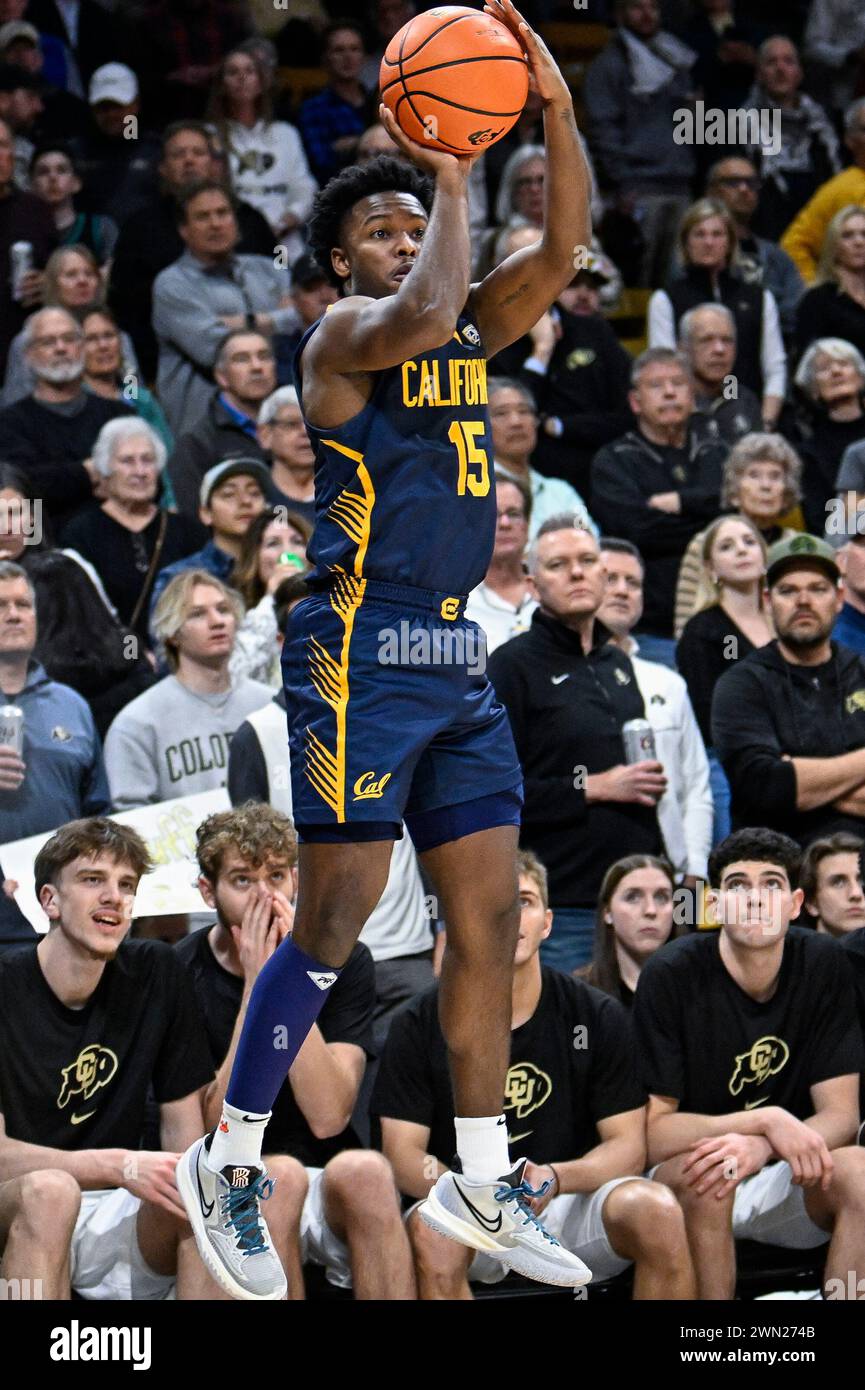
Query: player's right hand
[798,1144]
[433,161]
[12,770]
[150,1176]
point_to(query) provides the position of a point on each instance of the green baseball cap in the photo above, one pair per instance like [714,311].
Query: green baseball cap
[785,555]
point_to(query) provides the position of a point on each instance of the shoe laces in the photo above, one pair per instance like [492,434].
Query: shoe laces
[241,1209]
[521,1195]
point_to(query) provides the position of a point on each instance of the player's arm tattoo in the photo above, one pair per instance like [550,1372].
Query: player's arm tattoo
[509,299]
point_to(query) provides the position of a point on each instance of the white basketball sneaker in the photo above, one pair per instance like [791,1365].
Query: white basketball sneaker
[495,1217]
[224,1211]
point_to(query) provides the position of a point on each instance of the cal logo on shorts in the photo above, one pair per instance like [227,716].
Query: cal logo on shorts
[369,788]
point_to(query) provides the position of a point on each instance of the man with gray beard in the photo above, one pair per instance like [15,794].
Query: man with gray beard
[49,435]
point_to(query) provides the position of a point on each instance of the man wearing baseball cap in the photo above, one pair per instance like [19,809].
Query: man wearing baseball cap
[116,157]
[789,721]
[231,495]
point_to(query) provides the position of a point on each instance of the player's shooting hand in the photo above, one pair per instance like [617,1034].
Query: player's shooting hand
[150,1176]
[716,1166]
[257,937]
[544,74]
[427,157]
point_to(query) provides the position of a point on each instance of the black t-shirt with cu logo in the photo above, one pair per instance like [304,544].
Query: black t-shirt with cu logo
[706,1043]
[572,1064]
[79,1078]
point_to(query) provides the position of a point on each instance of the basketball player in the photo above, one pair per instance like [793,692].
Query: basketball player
[393,386]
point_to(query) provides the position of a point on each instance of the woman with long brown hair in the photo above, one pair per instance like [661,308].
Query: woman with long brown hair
[266,158]
[273,549]
[634,919]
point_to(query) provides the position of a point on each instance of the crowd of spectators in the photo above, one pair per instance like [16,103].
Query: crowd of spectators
[679,451]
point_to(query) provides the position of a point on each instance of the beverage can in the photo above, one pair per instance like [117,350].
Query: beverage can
[639,740]
[12,728]
[20,263]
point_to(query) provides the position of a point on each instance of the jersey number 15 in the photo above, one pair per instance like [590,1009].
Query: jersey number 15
[474,473]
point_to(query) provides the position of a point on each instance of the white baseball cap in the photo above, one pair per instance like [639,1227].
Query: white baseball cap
[113,82]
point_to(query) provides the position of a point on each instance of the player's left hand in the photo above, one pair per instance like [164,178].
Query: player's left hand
[536,1174]
[544,74]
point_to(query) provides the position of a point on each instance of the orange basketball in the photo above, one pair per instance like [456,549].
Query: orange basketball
[455,79]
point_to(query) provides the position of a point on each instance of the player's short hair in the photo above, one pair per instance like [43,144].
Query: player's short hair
[384,174]
[86,839]
[818,850]
[760,845]
[256,831]
[530,865]
[622,547]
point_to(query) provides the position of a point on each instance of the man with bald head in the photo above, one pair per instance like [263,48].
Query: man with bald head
[807,154]
[49,435]
[724,408]
[736,182]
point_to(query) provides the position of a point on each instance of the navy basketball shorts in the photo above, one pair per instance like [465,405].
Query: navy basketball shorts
[391,718]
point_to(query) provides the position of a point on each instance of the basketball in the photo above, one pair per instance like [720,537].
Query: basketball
[455,79]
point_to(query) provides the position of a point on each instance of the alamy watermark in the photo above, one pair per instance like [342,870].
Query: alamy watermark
[738,126]
[407,645]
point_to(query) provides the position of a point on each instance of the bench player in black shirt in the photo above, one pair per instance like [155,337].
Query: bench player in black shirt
[346,1209]
[392,382]
[752,1053]
[89,1024]
[573,1101]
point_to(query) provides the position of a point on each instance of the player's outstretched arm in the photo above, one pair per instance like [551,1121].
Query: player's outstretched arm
[361,334]
[514,296]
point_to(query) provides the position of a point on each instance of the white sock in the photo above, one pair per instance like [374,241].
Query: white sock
[482,1145]
[237,1140]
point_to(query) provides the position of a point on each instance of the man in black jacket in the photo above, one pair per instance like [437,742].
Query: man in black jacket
[568,691]
[245,375]
[658,485]
[789,721]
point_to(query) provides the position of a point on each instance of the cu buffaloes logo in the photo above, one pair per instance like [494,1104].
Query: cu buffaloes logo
[92,1069]
[764,1059]
[527,1088]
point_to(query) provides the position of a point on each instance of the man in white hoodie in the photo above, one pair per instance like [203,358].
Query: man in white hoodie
[685,809]
[173,740]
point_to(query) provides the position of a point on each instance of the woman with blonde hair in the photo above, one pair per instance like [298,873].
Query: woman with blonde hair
[762,481]
[731,623]
[835,306]
[707,253]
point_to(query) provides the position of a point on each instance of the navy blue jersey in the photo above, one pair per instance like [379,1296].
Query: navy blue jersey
[404,490]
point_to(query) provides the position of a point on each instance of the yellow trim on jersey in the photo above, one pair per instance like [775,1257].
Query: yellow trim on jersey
[352,511]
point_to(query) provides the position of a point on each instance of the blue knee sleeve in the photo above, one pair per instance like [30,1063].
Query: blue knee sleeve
[286,1000]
